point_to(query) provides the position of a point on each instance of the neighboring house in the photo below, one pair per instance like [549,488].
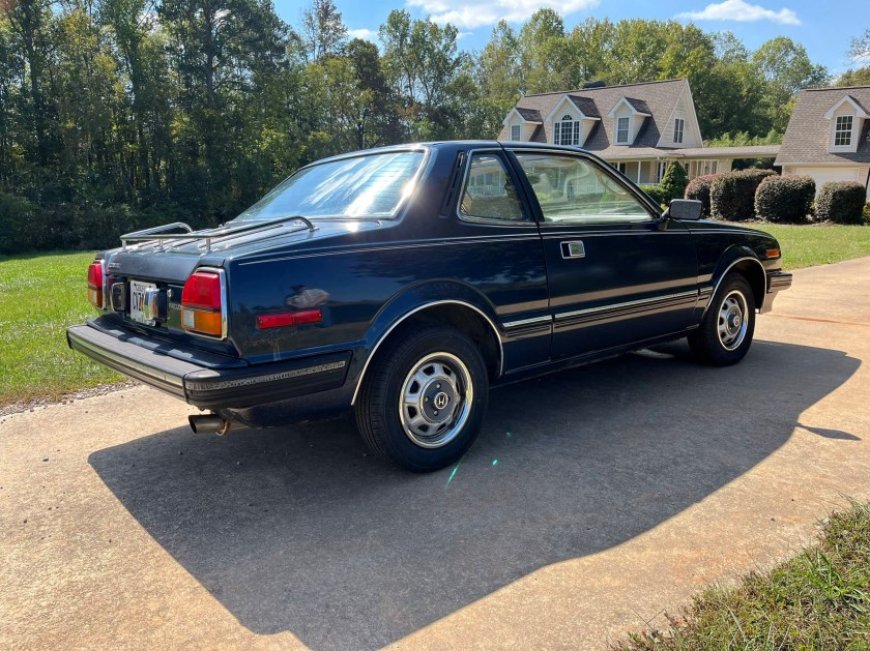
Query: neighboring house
[637,128]
[828,136]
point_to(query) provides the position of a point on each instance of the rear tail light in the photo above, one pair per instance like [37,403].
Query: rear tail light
[202,308]
[95,284]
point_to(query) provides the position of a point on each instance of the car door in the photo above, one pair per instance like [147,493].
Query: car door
[505,260]
[615,276]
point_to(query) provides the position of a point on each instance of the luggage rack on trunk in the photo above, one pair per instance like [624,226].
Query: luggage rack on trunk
[158,235]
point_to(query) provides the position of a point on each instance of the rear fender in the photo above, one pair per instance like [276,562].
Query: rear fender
[414,301]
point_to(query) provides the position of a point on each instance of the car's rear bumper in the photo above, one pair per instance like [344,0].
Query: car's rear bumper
[777,281]
[203,382]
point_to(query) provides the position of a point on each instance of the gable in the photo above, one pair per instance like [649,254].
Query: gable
[807,137]
[658,99]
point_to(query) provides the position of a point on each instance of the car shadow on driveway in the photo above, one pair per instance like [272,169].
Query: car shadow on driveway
[296,529]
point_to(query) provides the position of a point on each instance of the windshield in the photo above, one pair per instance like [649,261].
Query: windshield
[370,185]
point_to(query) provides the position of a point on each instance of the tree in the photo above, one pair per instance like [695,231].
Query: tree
[674,182]
[323,29]
[543,53]
[787,69]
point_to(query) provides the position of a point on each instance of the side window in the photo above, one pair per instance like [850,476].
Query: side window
[575,190]
[489,193]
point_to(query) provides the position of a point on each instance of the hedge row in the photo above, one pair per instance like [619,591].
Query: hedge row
[732,194]
[699,190]
[28,226]
[841,202]
[785,198]
[738,196]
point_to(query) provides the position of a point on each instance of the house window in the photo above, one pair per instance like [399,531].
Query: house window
[661,171]
[622,131]
[516,133]
[566,131]
[843,131]
[621,167]
[679,123]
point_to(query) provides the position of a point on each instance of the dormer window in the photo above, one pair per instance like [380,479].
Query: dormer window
[516,133]
[622,131]
[679,126]
[566,131]
[843,131]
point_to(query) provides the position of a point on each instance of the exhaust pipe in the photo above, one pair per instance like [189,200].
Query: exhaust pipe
[209,424]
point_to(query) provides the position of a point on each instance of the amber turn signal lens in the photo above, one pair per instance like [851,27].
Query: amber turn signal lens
[205,322]
[772,253]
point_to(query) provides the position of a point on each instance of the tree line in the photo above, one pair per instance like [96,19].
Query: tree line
[115,113]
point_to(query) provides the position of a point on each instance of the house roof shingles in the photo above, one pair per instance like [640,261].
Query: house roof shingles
[808,133]
[657,98]
[530,115]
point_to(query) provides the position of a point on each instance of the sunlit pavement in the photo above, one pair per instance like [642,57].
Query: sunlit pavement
[595,500]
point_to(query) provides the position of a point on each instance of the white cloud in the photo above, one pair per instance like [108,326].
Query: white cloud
[470,15]
[363,33]
[743,12]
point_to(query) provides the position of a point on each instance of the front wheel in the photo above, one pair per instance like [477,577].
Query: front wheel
[726,331]
[423,401]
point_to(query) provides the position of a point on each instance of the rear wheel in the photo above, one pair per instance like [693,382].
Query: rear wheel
[424,398]
[726,330]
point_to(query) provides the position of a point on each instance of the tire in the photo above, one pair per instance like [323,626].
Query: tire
[397,409]
[726,330]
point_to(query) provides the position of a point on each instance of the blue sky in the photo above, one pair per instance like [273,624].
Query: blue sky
[824,27]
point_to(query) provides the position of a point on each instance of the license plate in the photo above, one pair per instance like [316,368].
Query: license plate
[141,309]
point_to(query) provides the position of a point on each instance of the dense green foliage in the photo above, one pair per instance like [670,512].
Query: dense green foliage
[674,182]
[193,109]
[732,194]
[820,599]
[785,198]
[656,193]
[841,202]
[699,190]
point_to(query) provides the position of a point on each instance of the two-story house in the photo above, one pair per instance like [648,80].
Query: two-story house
[828,136]
[637,128]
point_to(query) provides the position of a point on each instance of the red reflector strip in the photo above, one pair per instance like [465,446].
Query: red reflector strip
[283,319]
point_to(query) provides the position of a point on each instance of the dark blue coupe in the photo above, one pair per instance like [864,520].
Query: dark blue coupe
[404,282]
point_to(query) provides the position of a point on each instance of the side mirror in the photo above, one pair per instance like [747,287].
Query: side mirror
[689,209]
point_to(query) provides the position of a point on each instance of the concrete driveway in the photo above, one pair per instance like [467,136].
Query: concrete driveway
[594,500]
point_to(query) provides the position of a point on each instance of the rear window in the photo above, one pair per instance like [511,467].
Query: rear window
[370,185]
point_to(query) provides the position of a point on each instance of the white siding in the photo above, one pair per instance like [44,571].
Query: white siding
[826,174]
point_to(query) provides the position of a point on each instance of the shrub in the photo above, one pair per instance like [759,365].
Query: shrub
[674,181]
[655,193]
[867,213]
[841,202]
[732,195]
[699,190]
[785,198]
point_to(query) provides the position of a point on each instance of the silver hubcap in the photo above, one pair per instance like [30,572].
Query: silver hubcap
[436,399]
[733,320]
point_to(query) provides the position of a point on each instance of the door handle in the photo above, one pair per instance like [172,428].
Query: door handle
[573,249]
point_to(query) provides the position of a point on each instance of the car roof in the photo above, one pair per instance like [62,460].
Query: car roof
[454,145]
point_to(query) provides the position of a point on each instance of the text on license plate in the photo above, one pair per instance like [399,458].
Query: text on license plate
[143,301]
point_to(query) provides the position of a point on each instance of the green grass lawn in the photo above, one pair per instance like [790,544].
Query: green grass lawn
[39,296]
[811,245]
[816,601]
